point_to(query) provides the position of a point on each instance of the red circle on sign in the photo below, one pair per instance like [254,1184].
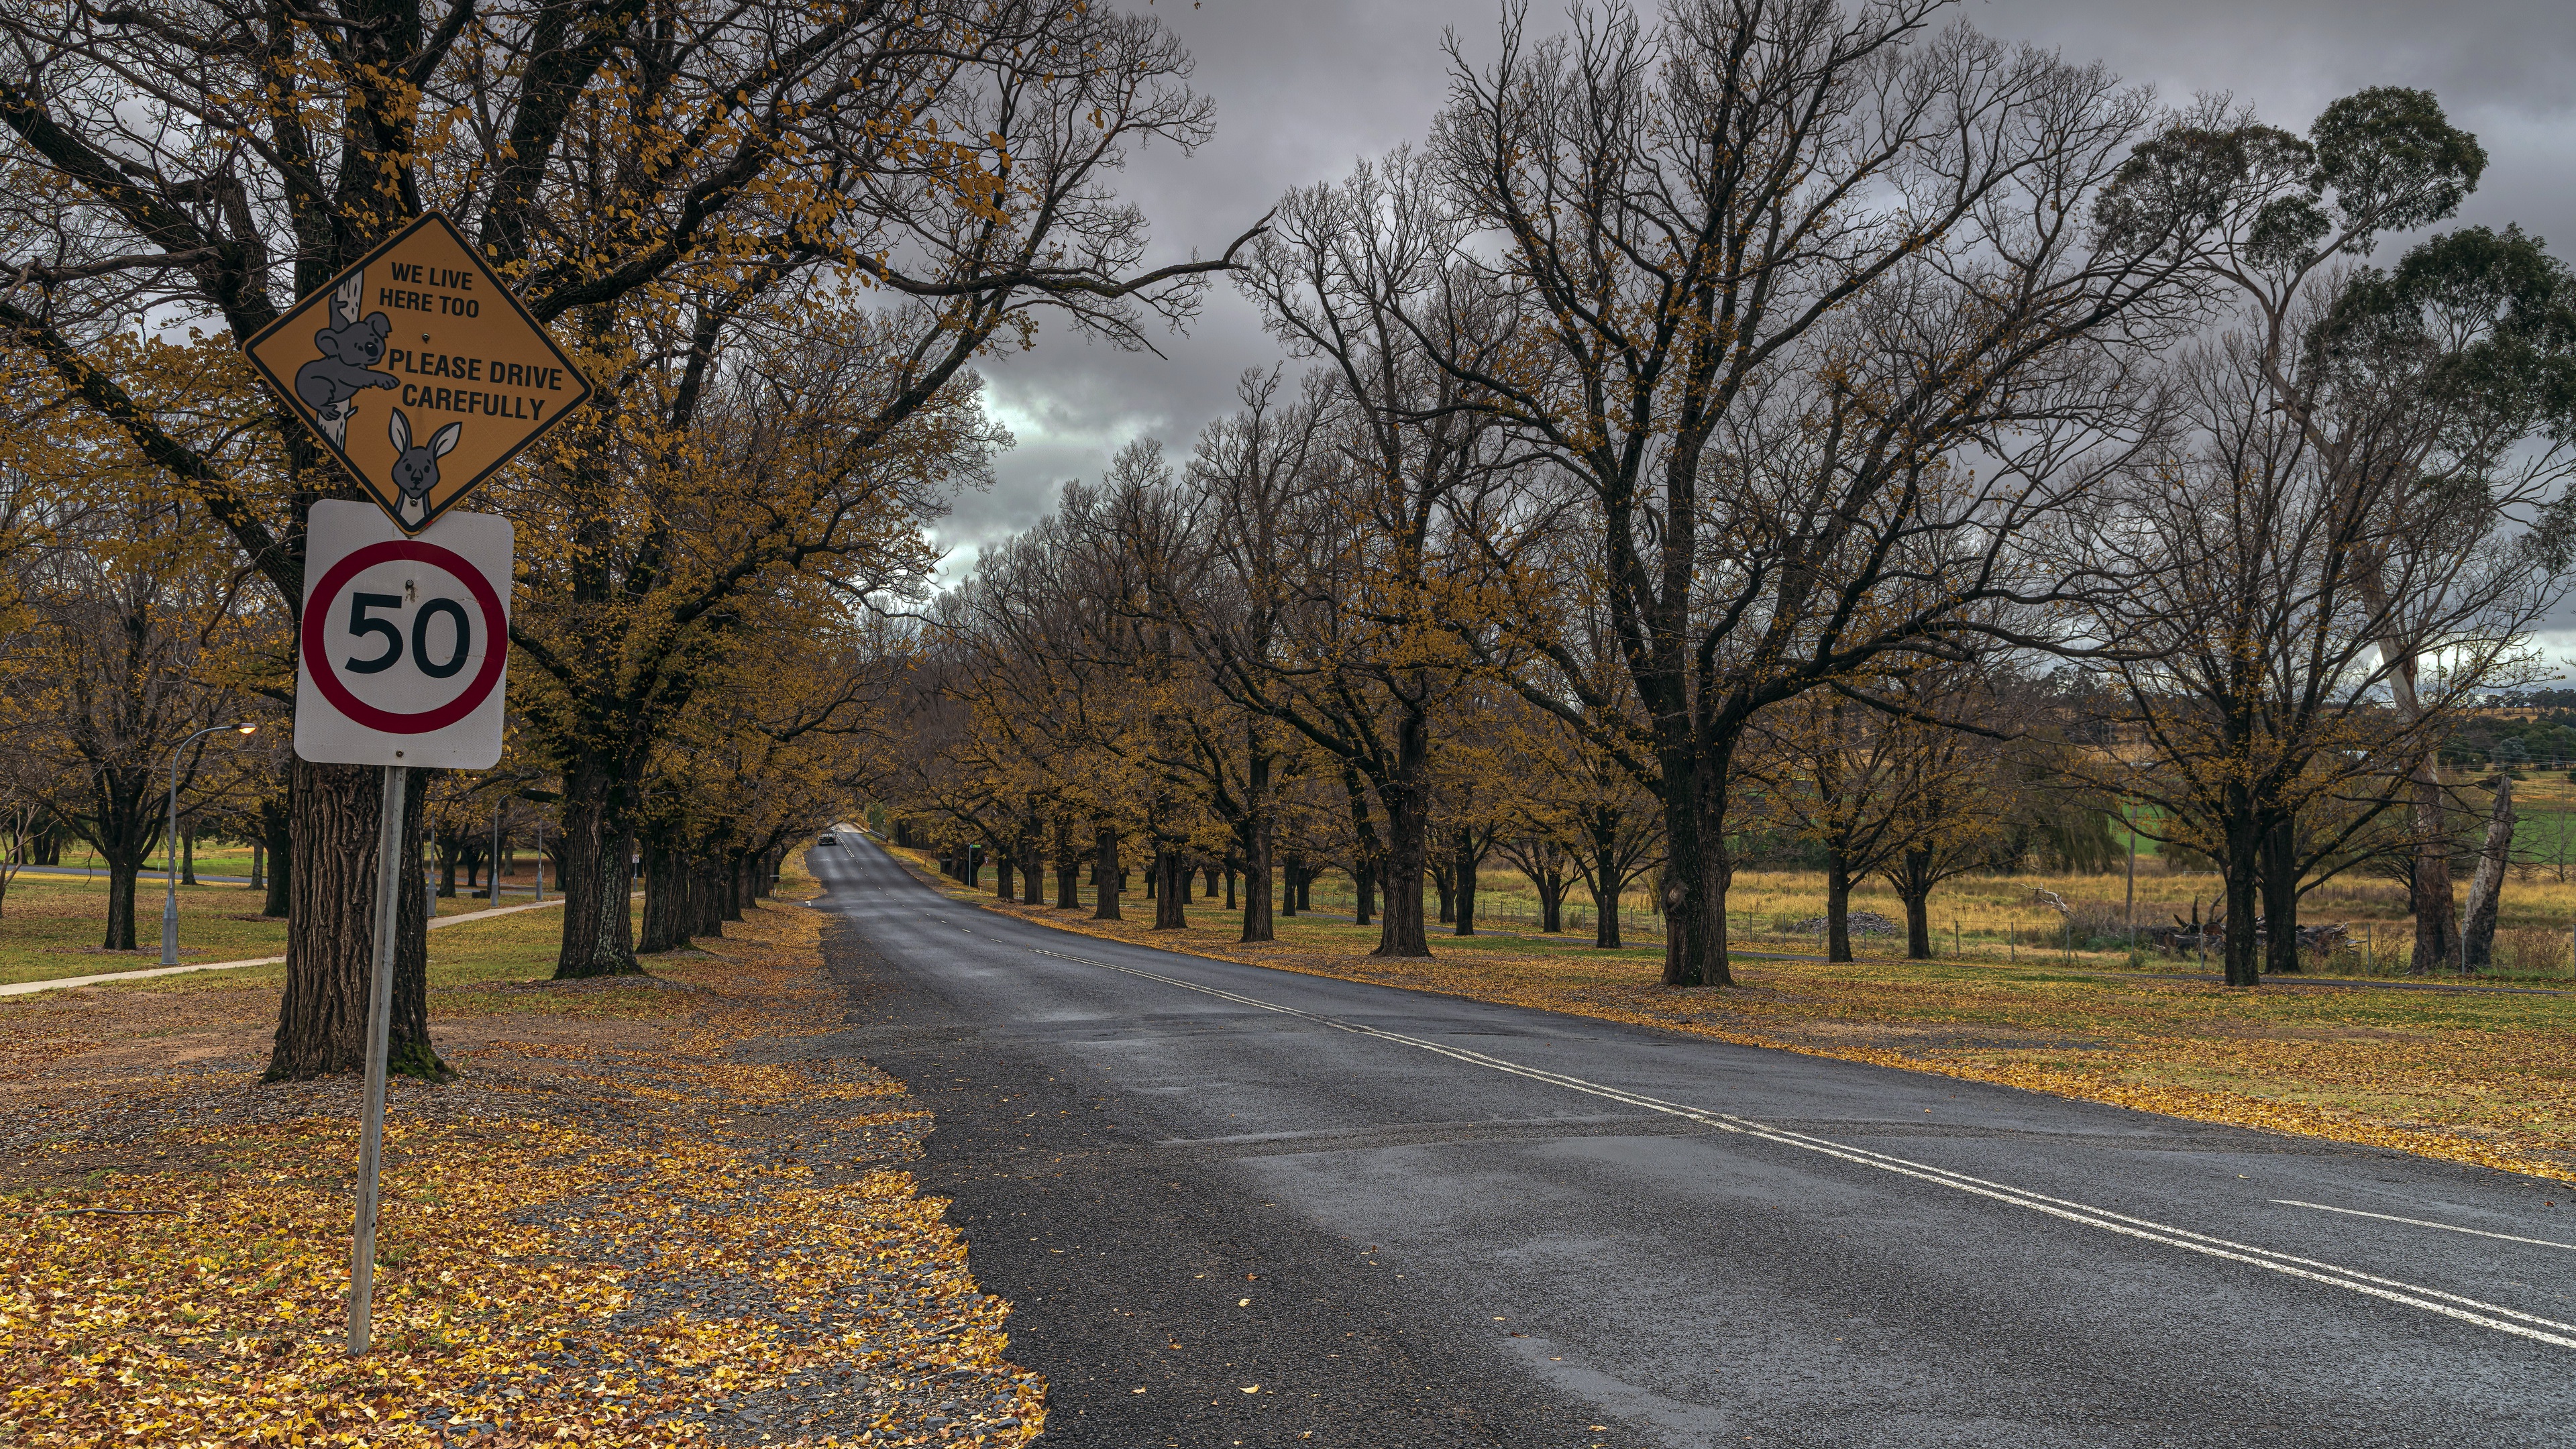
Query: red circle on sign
[317,661]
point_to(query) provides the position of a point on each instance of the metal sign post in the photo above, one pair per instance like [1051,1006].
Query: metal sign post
[380,1019]
[400,658]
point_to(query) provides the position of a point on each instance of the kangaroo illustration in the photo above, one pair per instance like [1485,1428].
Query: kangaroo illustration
[416,471]
[349,346]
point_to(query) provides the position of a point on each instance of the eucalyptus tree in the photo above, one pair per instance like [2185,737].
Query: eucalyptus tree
[2438,394]
[2277,606]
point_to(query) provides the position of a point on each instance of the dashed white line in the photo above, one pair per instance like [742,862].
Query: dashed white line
[2431,1300]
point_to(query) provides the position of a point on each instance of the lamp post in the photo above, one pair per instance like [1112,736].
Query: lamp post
[170,842]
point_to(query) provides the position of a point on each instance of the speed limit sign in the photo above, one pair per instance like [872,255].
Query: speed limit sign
[402,650]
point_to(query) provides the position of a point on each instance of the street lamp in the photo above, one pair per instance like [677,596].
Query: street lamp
[170,843]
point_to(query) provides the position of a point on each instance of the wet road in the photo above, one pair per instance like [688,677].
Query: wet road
[1407,1219]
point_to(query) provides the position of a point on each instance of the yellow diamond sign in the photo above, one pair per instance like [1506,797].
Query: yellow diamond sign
[419,371]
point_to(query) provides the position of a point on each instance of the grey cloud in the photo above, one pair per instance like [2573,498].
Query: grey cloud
[1303,89]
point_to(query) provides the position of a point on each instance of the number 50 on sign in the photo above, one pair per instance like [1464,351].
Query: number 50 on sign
[404,641]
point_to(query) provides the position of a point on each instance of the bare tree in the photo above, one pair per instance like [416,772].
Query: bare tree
[1777,265]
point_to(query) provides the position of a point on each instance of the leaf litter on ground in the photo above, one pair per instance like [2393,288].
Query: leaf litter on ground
[659,1216]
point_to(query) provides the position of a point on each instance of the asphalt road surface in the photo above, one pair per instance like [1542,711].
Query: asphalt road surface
[1411,1220]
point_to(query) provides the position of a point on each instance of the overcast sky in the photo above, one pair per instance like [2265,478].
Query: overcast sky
[1305,87]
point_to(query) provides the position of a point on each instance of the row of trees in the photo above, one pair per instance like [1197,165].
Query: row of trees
[1718,420]
[773,234]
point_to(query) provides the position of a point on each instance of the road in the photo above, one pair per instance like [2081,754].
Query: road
[1409,1219]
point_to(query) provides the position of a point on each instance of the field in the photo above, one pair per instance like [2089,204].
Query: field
[2003,918]
[2474,1075]
[51,926]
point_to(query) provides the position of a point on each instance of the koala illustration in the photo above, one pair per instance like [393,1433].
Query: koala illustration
[416,471]
[349,346]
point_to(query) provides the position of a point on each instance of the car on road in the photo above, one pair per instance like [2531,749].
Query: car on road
[829,840]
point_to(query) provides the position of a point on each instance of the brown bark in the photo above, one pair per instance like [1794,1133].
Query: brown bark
[276,832]
[1171,899]
[322,1016]
[1108,877]
[1837,905]
[2437,935]
[598,938]
[1256,867]
[666,900]
[2486,887]
[1068,867]
[1605,880]
[1465,871]
[2281,898]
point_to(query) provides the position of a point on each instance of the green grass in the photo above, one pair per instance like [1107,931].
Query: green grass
[51,925]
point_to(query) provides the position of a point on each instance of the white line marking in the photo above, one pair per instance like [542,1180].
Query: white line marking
[2424,1223]
[2353,1280]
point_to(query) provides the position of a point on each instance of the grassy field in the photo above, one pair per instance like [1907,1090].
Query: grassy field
[2004,919]
[2475,1076]
[51,926]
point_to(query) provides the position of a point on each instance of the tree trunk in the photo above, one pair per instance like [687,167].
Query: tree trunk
[2281,897]
[1697,870]
[706,899]
[330,951]
[1288,888]
[1068,867]
[1002,886]
[598,933]
[1171,902]
[2486,886]
[1229,888]
[1210,892]
[1256,866]
[188,856]
[1363,892]
[1465,870]
[731,881]
[121,874]
[1837,904]
[1605,881]
[1913,884]
[1106,874]
[1032,850]
[1444,877]
[1401,930]
[276,828]
[2243,869]
[2437,937]
[666,903]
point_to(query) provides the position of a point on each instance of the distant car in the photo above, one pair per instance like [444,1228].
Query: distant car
[829,840]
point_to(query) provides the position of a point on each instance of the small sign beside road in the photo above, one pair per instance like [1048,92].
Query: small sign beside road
[419,371]
[404,642]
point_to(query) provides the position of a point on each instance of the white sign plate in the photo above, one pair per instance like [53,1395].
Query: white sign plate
[405,639]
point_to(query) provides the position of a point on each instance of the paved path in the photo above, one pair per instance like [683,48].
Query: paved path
[23,988]
[1474,1224]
